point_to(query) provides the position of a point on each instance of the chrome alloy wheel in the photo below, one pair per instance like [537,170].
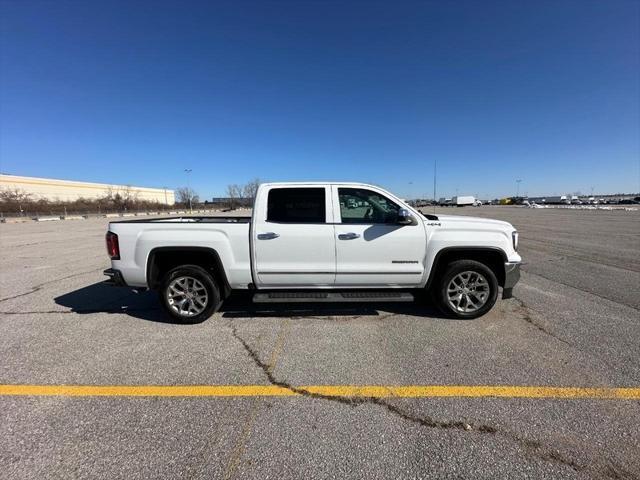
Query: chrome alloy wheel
[187,296]
[468,292]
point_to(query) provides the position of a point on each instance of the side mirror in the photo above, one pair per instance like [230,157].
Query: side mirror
[404,217]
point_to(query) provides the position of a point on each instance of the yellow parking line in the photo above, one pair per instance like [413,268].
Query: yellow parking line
[377,391]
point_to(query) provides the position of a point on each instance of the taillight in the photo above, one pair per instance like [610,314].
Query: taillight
[113,248]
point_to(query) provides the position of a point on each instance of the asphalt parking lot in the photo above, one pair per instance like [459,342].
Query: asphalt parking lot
[574,323]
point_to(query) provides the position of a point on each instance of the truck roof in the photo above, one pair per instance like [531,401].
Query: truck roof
[294,184]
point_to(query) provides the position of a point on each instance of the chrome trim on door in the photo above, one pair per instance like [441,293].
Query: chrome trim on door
[296,273]
[339,273]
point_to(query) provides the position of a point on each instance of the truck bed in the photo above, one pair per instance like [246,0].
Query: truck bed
[189,219]
[227,236]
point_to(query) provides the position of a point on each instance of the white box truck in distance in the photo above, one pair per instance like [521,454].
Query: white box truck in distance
[463,200]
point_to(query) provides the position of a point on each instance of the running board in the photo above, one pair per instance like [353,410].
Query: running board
[331,297]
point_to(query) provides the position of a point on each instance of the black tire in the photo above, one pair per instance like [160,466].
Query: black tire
[440,288]
[208,283]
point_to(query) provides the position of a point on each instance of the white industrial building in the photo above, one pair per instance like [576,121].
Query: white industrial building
[68,190]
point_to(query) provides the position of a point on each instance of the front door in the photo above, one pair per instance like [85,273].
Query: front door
[372,249]
[293,238]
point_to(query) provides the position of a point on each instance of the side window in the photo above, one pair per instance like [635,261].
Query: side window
[358,205]
[296,205]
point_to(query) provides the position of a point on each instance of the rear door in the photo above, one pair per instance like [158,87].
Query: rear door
[372,249]
[293,237]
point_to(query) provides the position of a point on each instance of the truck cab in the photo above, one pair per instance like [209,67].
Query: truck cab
[335,236]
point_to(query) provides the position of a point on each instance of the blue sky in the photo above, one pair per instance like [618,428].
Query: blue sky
[134,92]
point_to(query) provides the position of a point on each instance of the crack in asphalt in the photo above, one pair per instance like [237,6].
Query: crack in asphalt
[575,287]
[106,309]
[353,401]
[97,310]
[561,252]
[533,447]
[23,244]
[526,316]
[39,286]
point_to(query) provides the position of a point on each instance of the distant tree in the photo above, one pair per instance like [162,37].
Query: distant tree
[14,196]
[109,200]
[186,194]
[14,199]
[234,192]
[129,198]
[250,189]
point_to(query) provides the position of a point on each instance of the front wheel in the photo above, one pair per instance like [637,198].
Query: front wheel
[189,294]
[467,289]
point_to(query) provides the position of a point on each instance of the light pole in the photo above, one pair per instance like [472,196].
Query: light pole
[435,171]
[518,187]
[188,171]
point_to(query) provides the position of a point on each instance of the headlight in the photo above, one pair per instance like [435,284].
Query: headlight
[514,238]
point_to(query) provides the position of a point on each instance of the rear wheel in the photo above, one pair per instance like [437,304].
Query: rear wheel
[467,289]
[189,294]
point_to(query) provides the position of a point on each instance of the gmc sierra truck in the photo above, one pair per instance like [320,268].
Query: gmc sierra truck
[317,242]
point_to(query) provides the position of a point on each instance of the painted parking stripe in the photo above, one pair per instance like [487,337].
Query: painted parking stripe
[376,391]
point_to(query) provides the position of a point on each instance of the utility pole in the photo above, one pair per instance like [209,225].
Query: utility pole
[435,171]
[188,171]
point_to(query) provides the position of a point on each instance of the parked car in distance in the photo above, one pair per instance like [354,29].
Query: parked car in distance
[317,242]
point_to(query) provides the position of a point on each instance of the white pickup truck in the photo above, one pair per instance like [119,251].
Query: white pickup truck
[317,242]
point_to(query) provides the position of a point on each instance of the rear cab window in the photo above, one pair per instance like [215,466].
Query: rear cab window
[297,205]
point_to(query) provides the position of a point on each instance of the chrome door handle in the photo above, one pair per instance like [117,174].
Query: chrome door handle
[267,236]
[348,236]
